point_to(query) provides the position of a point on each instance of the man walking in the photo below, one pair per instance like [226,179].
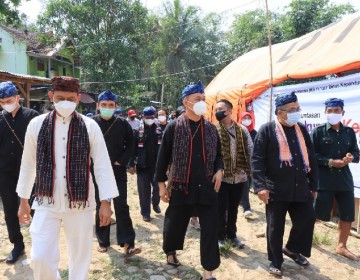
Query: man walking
[14,120]
[147,141]
[336,146]
[190,159]
[236,149]
[119,140]
[285,179]
[57,152]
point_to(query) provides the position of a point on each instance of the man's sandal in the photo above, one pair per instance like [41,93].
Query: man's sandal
[102,249]
[175,261]
[274,270]
[131,251]
[296,257]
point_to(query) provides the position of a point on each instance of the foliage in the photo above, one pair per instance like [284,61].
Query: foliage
[304,16]
[129,49]
[8,11]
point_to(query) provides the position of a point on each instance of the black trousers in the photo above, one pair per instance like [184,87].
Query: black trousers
[175,225]
[10,202]
[124,228]
[302,215]
[229,199]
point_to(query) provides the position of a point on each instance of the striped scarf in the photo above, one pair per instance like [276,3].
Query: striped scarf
[182,149]
[284,150]
[242,160]
[77,161]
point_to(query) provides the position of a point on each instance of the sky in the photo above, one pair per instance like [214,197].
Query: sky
[33,7]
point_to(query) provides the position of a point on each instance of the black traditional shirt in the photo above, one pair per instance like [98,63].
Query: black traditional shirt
[10,148]
[332,144]
[147,144]
[119,138]
[201,190]
[285,183]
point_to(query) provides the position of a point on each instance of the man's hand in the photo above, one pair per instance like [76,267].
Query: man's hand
[217,179]
[338,163]
[163,192]
[348,158]
[24,211]
[132,170]
[264,196]
[314,194]
[105,213]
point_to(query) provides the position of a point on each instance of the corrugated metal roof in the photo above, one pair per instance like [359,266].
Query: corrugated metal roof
[23,76]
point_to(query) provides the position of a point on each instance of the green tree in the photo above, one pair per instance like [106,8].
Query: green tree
[304,16]
[8,11]
[188,44]
[107,36]
[248,31]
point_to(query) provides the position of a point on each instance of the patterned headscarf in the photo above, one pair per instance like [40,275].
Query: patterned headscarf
[285,98]
[64,83]
[334,102]
[7,89]
[107,95]
[191,89]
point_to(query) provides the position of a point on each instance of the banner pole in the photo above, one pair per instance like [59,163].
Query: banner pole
[271,61]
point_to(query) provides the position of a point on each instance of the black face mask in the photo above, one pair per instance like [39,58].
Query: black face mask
[220,115]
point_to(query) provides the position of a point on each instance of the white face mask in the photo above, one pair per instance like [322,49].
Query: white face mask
[199,108]
[293,118]
[246,122]
[333,118]
[149,121]
[10,108]
[65,108]
[162,118]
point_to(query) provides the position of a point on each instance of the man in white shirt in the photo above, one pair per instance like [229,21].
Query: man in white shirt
[57,152]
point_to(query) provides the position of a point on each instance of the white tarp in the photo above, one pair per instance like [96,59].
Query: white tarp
[311,99]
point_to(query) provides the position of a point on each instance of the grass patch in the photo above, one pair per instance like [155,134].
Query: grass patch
[64,274]
[226,248]
[322,238]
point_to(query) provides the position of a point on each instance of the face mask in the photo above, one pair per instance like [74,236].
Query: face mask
[199,108]
[65,108]
[293,118]
[10,108]
[149,121]
[107,113]
[162,118]
[333,118]
[220,115]
[246,122]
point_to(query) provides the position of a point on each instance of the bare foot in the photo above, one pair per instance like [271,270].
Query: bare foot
[343,251]
[207,275]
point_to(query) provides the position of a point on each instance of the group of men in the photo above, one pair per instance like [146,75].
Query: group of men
[72,165]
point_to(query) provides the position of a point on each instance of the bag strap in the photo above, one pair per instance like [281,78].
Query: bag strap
[13,131]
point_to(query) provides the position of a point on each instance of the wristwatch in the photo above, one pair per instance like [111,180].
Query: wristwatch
[330,163]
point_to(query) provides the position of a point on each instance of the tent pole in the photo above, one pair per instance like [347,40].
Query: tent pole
[271,61]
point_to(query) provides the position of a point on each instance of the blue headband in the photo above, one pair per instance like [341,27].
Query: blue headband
[7,89]
[285,98]
[107,95]
[149,111]
[191,89]
[334,102]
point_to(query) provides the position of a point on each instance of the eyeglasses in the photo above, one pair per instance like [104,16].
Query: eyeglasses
[292,110]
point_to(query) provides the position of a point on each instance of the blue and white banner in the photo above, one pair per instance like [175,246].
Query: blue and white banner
[311,99]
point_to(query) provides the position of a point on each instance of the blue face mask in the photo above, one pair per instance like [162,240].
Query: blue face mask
[106,113]
[293,118]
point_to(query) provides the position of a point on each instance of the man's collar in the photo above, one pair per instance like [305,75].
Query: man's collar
[328,126]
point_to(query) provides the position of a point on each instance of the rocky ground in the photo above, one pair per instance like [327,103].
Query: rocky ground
[249,263]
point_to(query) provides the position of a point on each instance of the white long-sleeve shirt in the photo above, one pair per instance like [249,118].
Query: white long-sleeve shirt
[98,152]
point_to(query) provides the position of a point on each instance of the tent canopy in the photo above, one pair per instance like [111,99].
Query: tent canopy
[331,49]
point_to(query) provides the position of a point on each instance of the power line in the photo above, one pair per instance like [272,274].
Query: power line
[157,77]
[142,34]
